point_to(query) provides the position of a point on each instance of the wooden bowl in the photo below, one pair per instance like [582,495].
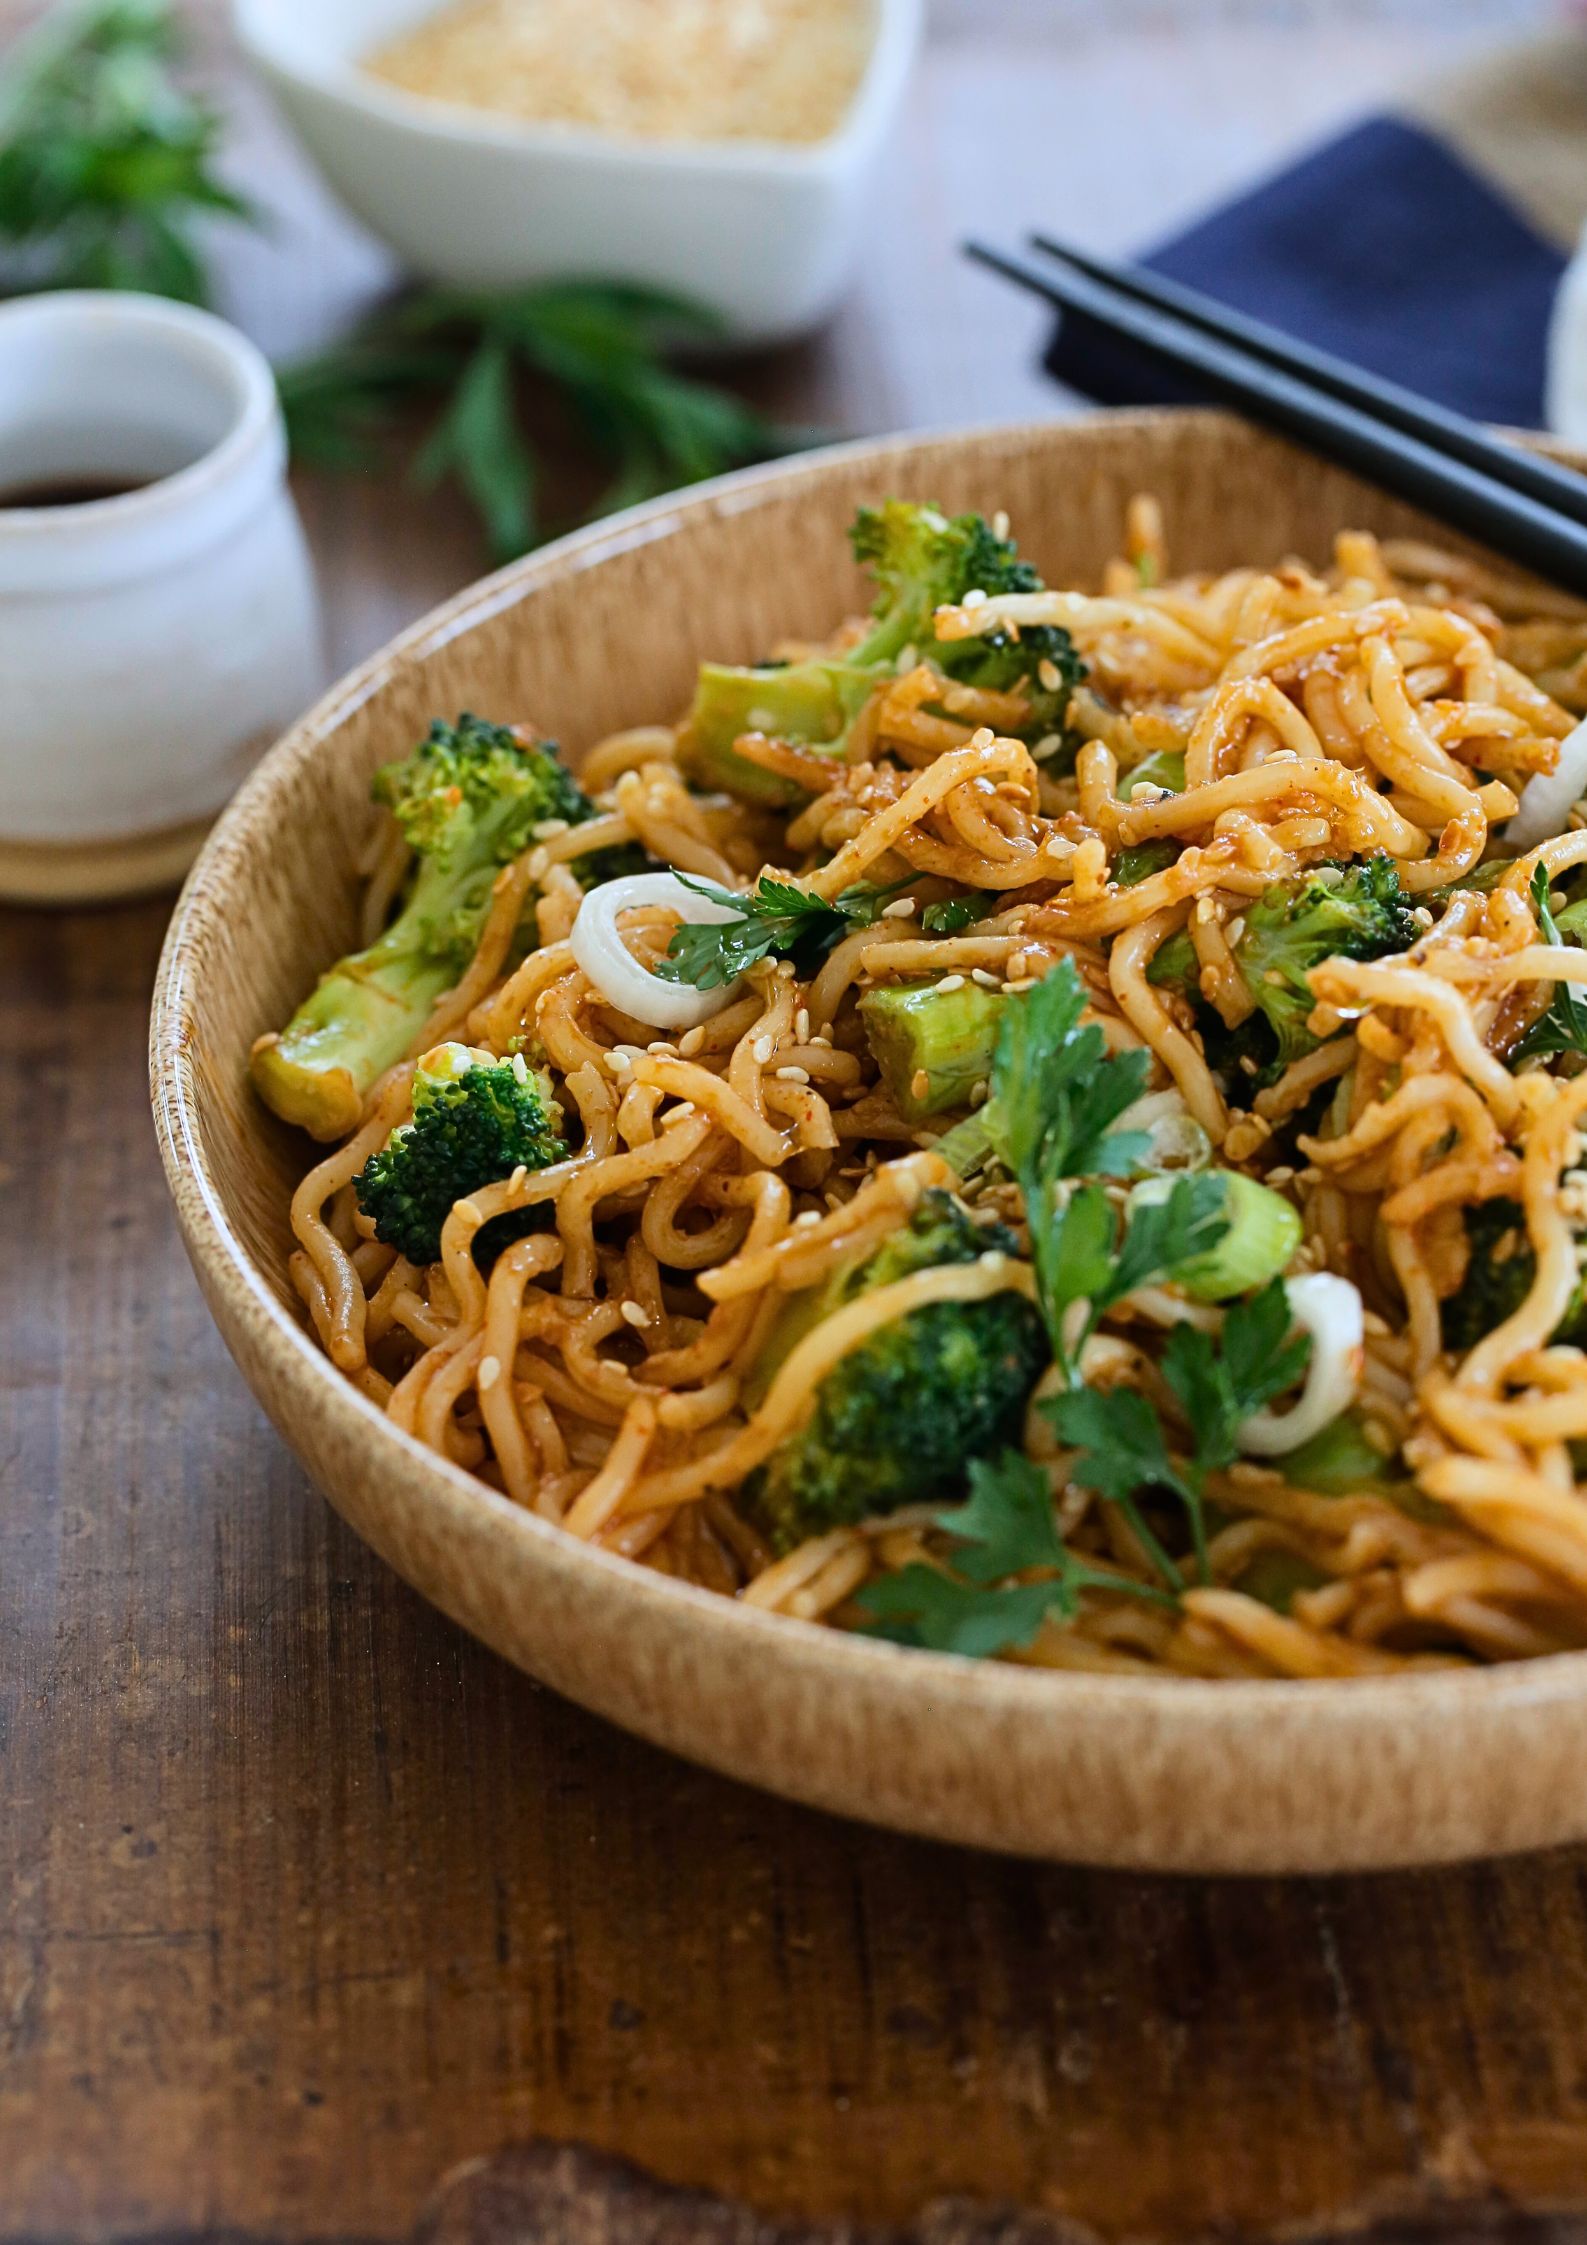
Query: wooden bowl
[604,630]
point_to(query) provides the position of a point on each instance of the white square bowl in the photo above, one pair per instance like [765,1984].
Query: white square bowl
[764,233]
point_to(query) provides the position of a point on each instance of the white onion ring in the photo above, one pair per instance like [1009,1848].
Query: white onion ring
[1329,1309]
[618,975]
[1548,798]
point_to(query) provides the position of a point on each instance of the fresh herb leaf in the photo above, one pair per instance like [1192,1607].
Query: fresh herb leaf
[775,920]
[1564,1027]
[601,347]
[1006,1529]
[1220,1383]
[105,161]
[1217,1384]
[1122,1454]
[1057,1091]
[951,915]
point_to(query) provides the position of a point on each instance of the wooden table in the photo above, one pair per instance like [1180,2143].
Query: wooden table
[304,1897]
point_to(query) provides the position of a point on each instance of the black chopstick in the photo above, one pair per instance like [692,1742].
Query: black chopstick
[1526,530]
[1446,431]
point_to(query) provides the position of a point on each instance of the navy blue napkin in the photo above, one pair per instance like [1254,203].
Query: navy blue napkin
[1384,246]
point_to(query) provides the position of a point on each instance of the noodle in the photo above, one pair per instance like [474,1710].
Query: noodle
[674,1298]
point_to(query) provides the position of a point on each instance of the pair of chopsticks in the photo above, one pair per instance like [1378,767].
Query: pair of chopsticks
[1525,507]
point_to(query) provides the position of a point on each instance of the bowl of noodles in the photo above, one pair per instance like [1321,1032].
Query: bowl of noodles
[914,1124]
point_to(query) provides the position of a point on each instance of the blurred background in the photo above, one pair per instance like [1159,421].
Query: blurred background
[1115,122]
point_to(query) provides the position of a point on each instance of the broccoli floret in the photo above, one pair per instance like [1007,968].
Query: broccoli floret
[932,1045]
[475,1120]
[468,800]
[1498,1279]
[1350,912]
[899,1418]
[923,560]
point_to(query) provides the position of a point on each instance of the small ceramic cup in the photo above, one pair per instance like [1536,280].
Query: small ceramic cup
[152,641]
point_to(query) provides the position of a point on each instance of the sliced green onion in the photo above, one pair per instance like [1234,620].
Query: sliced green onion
[1264,1232]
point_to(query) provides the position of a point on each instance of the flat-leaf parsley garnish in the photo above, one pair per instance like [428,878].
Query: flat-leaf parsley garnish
[775,920]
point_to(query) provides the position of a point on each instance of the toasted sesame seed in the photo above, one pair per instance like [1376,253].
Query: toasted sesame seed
[634,1314]
[985,978]
[1049,674]
[791,1075]
[980,1092]
[473,1217]
[488,1374]
[802,1024]
[902,908]
[805,1218]
[691,1041]
[662,1049]
[547,829]
[950,982]
[762,1050]
[821,1041]
[919,1084]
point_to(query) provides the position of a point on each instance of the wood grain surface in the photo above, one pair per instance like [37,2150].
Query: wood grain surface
[304,1898]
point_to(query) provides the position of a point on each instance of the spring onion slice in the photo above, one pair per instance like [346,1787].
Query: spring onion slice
[1548,798]
[1330,1310]
[618,975]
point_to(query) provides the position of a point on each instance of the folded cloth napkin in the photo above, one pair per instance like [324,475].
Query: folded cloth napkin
[1427,245]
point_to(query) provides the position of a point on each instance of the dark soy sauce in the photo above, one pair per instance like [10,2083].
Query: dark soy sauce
[65,491]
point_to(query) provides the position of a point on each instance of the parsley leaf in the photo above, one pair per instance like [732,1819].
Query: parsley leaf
[1564,1027]
[951,915]
[1220,1383]
[1007,1528]
[1056,1089]
[775,920]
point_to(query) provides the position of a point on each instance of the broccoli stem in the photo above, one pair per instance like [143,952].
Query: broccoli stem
[932,1044]
[814,702]
[360,1019]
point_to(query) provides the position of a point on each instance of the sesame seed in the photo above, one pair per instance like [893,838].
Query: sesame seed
[472,1216]
[489,1373]
[515,1181]
[792,1075]
[906,659]
[662,1049]
[547,829]
[634,1315]
[802,1023]
[762,1050]
[805,1218]
[988,981]
[902,909]
[1047,746]
[1000,523]
[821,1041]
[691,1041]
[974,598]
[919,1084]
[1049,675]
[950,982]
[980,1093]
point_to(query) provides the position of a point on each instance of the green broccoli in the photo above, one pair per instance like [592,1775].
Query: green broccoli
[1352,912]
[475,1120]
[932,1044]
[900,1417]
[468,800]
[1498,1279]
[922,560]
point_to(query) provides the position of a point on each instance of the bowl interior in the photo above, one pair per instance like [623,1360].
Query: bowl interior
[605,631]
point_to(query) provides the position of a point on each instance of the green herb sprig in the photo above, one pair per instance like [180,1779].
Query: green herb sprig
[972,1607]
[1057,1095]
[774,920]
[461,356]
[105,160]
[1563,1028]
